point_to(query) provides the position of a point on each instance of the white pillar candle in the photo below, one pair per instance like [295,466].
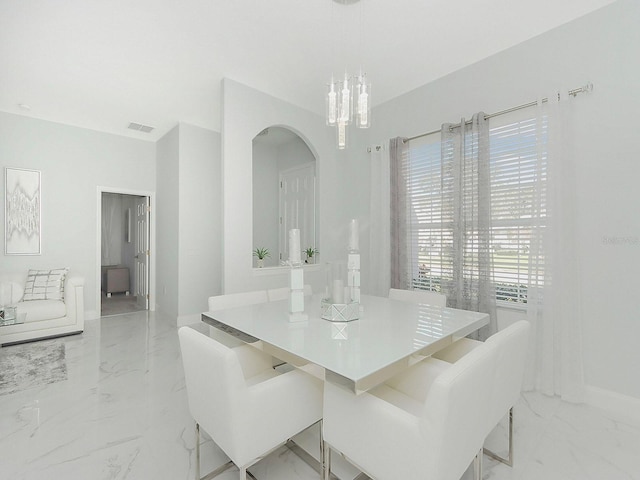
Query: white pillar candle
[295,255]
[354,238]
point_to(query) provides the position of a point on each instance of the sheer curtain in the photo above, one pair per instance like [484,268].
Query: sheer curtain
[554,307]
[111,229]
[380,224]
[467,264]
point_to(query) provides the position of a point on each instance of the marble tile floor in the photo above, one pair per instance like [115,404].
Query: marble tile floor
[122,413]
[117,304]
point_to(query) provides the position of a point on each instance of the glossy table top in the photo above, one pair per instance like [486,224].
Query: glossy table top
[389,336]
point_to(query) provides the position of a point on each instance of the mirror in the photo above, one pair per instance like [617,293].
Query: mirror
[284,194]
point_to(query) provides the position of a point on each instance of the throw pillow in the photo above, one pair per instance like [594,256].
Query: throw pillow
[45,284]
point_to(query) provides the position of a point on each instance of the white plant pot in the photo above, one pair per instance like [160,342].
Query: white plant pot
[261,263]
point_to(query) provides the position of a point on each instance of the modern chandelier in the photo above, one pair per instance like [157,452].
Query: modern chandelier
[348,101]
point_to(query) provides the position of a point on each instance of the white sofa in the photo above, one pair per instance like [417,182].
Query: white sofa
[44,318]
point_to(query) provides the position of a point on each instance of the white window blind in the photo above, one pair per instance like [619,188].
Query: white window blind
[427,233]
[518,207]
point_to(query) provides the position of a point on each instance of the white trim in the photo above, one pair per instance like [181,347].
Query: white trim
[151,200]
[282,270]
[624,406]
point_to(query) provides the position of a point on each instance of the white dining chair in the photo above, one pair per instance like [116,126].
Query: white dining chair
[246,407]
[511,345]
[282,293]
[231,300]
[419,296]
[426,423]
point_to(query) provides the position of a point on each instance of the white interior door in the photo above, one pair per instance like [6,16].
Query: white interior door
[142,253]
[297,207]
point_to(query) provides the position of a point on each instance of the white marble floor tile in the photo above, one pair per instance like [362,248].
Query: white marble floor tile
[122,413]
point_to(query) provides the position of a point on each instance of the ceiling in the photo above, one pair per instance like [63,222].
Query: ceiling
[101,64]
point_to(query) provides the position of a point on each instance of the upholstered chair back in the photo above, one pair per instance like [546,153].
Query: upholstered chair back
[426,423]
[511,345]
[246,406]
[454,415]
[216,387]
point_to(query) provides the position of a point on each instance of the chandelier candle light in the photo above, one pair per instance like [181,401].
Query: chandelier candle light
[339,101]
[340,105]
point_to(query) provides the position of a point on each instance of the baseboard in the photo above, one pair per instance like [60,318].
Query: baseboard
[623,406]
[38,339]
[188,319]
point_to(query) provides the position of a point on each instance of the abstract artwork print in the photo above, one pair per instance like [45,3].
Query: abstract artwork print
[22,227]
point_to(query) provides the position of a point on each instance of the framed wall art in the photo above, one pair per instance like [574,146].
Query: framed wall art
[22,212]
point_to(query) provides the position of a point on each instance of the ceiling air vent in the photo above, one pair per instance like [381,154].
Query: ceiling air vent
[140,127]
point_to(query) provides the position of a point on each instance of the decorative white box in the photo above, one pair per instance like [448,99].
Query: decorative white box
[339,312]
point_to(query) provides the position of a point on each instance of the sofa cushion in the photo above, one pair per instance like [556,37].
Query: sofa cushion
[38,310]
[45,284]
[10,293]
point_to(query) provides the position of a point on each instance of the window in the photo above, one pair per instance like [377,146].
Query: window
[518,207]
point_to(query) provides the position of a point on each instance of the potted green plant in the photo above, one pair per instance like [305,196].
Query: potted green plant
[311,251]
[261,253]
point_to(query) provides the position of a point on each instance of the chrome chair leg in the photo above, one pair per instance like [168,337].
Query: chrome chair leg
[509,460]
[197,451]
[218,470]
[323,466]
[477,466]
[326,462]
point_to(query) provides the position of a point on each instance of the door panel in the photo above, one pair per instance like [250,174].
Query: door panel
[142,253]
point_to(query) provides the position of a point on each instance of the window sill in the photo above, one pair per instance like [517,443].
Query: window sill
[520,307]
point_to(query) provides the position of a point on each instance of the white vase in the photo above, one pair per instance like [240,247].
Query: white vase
[260,262]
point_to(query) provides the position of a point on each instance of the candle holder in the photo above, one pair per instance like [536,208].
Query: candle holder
[353,261]
[296,294]
[337,304]
[296,279]
[353,276]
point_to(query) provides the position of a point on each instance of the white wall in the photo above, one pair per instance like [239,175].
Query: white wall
[601,48]
[200,220]
[167,223]
[293,154]
[246,112]
[265,201]
[189,226]
[74,162]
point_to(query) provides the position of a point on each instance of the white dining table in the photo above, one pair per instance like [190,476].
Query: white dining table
[389,336]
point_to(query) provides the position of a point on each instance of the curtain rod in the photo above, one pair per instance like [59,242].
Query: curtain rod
[584,89]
